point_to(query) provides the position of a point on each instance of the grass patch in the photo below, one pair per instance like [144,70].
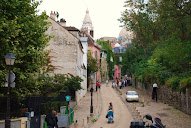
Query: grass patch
[94,120]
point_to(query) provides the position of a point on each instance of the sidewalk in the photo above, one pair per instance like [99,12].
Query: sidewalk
[82,116]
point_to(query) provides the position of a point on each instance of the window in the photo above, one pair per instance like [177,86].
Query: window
[120,59]
[96,55]
[101,55]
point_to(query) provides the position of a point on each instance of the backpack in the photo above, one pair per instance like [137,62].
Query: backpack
[50,119]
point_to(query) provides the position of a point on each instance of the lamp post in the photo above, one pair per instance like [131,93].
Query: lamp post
[9,59]
[91,90]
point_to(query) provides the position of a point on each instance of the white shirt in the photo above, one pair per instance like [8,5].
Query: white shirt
[155,85]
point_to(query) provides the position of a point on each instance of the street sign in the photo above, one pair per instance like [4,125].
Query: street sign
[67,98]
[12,77]
[11,85]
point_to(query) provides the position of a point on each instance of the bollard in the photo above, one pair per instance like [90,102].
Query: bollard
[138,113]
[84,122]
[88,119]
[91,115]
[147,103]
[76,124]
[140,118]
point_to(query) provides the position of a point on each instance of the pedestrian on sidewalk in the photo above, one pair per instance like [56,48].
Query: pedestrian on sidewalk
[113,83]
[125,82]
[154,93]
[128,81]
[98,84]
[120,84]
[56,118]
[117,82]
[110,107]
[50,119]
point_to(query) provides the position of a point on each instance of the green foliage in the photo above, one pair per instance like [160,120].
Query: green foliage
[53,85]
[92,63]
[107,47]
[22,31]
[173,82]
[94,120]
[186,82]
[174,54]
[45,107]
[160,49]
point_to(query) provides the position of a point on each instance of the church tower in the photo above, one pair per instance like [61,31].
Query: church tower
[87,24]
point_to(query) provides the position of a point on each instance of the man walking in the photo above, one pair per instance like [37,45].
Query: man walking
[154,93]
[50,119]
[98,84]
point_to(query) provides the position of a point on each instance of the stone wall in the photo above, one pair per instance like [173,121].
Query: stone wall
[179,100]
[63,49]
[16,123]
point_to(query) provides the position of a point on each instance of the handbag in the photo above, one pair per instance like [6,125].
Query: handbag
[106,116]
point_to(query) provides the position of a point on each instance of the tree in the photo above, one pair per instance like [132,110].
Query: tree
[140,18]
[53,85]
[92,64]
[22,31]
[107,47]
[162,33]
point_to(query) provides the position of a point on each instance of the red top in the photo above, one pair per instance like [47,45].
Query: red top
[98,84]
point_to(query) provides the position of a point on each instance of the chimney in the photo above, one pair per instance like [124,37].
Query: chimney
[53,15]
[92,33]
[62,22]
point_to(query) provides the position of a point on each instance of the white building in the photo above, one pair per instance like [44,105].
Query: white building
[67,52]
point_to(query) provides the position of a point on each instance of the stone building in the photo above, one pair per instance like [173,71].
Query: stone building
[66,51]
[87,25]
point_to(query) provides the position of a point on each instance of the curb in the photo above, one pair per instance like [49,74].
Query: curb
[118,90]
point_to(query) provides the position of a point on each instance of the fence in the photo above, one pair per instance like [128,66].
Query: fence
[39,105]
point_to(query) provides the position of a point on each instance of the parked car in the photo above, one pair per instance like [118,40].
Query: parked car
[132,96]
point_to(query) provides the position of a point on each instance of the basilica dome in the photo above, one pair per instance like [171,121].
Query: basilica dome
[125,34]
[87,23]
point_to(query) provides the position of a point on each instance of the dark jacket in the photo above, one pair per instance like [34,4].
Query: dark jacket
[50,119]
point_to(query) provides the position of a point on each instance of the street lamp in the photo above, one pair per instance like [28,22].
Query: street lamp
[91,90]
[9,59]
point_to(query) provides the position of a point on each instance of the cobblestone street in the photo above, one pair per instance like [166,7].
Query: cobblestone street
[170,116]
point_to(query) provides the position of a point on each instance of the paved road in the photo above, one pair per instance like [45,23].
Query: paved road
[122,117]
[171,117]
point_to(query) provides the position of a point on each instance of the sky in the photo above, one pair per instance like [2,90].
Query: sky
[103,13]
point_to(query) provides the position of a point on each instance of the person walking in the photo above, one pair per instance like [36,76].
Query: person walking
[120,84]
[56,118]
[154,93]
[110,107]
[125,82]
[117,82]
[113,83]
[50,119]
[128,81]
[98,84]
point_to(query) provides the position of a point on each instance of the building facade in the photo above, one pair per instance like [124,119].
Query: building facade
[66,51]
